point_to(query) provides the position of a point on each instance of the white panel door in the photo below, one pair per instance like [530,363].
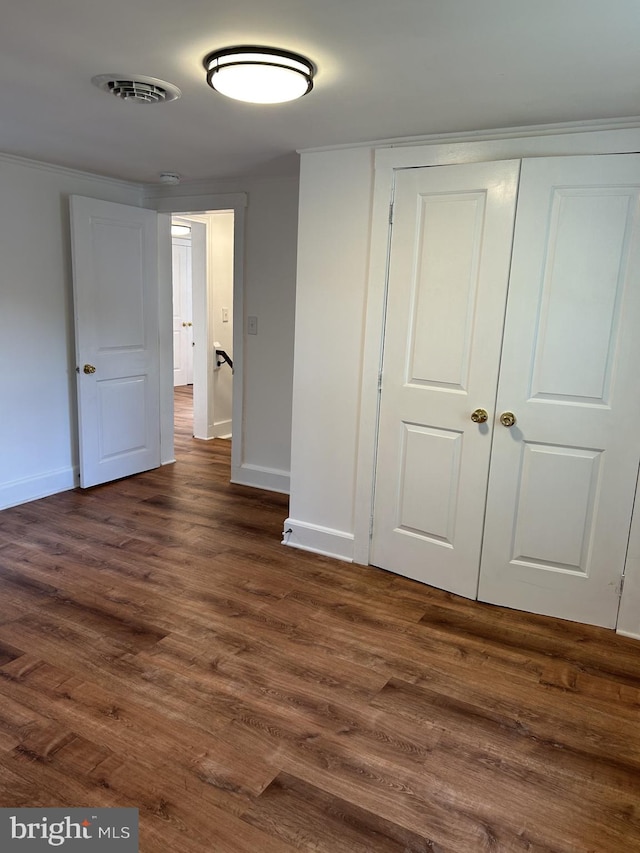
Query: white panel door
[116,316]
[448,276]
[182,312]
[563,477]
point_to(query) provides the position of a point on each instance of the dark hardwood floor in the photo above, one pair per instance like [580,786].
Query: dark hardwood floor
[160,649]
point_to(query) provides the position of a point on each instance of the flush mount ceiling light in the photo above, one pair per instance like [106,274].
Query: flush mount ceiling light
[259,75]
[180,230]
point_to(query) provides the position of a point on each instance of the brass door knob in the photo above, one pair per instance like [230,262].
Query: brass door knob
[89,368]
[507,419]
[480,416]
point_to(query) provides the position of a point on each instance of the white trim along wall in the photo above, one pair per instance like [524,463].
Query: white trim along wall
[342,258]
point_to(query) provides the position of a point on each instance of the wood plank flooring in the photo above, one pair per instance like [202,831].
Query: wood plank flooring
[160,649]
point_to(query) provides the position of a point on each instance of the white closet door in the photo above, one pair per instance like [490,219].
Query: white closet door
[448,275]
[182,312]
[563,477]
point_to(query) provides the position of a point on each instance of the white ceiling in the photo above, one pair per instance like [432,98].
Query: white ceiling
[386,68]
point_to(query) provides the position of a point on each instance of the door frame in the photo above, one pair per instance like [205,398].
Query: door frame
[387,160]
[198,204]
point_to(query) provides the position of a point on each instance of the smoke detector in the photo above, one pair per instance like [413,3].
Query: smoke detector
[171,178]
[138,90]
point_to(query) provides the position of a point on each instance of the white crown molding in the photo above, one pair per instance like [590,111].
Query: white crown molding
[206,186]
[15,160]
[627,123]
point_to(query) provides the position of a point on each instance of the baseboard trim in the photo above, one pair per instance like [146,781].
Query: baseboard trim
[222,429]
[33,488]
[318,539]
[634,635]
[258,477]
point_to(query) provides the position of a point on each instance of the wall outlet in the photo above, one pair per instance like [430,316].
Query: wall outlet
[252,325]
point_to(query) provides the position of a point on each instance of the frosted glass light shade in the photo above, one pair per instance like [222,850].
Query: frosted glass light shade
[259,75]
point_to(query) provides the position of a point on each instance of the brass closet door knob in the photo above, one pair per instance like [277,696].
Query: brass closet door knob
[507,419]
[89,368]
[480,416]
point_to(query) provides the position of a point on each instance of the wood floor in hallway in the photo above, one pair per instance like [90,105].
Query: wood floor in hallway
[160,649]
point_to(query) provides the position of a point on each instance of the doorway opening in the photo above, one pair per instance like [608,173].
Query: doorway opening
[203,315]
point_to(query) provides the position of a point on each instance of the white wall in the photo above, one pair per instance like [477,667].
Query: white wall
[333,251]
[38,433]
[270,295]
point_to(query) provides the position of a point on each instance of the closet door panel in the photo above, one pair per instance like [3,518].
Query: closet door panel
[448,275]
[562,478]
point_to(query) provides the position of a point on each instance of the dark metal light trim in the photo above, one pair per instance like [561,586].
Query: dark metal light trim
[267,56]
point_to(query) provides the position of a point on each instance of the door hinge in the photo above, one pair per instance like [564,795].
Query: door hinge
[380,381]
[621,585]
[391,213]
[371,526]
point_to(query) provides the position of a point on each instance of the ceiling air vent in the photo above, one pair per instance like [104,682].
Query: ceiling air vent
[138,90]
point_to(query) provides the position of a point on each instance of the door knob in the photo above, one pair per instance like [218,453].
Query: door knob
[89,368]
[507,419]
[480,416]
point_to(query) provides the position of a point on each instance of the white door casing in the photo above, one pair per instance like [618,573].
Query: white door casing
[182,312]
[115,257]
[563,478]
[448,276]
